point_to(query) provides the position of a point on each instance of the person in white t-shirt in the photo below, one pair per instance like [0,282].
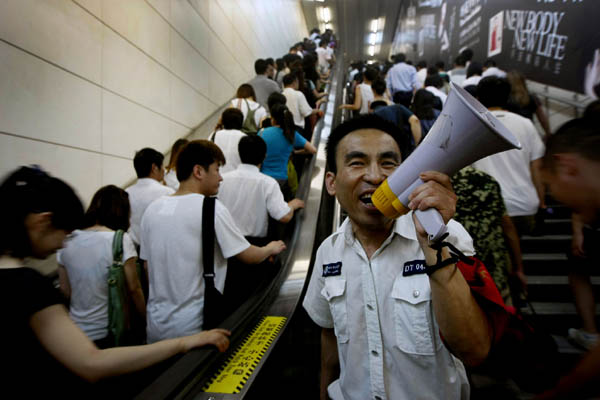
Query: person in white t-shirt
[296,101]
[421,72]
[474,71]
[245,101]
[86,258]
[261,192]
[228,137]
[324,57]
[490,69]
[517,171]
[172,244]
[148,164]
[171,170]
[363,94]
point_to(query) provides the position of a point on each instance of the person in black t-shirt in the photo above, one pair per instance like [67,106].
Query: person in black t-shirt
[43,351]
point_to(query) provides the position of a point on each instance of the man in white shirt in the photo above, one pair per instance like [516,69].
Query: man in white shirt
[228,138]
[172,245]
[517,171]
[296,101]
[323,57]
[382,316]
[247,188]
[421,72]
[490,69]
[148,164]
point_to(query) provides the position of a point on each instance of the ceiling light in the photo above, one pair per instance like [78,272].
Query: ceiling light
[326,14]
[372,38]
[374,25]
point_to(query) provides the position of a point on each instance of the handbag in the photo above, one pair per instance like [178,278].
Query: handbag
[118,300]
[214,301]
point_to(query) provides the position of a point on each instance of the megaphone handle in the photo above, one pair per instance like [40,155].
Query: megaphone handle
[433,223]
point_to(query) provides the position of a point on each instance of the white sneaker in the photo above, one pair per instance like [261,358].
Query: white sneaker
[583,338]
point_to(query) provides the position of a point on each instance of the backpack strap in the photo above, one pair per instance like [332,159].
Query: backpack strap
[117,247]
[208,240]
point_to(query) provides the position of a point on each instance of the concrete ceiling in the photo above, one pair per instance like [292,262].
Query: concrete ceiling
[351,21]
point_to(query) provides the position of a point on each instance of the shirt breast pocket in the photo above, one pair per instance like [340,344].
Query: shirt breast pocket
[334,291]
[415,327]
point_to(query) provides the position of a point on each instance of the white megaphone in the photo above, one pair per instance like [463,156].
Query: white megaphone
[464,132]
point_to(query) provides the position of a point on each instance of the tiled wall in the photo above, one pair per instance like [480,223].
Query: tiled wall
[84,83]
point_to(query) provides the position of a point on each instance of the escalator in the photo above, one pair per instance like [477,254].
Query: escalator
[259,323]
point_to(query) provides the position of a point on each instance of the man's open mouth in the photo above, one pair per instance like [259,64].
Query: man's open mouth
[366,198]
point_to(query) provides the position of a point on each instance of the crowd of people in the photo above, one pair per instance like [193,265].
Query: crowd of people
[388,332]
[252,161]
[496,201]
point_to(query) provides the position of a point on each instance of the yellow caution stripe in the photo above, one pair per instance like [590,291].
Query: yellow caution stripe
[234,374]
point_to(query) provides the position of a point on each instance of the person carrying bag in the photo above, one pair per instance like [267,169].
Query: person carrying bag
[215,303]
[118,300]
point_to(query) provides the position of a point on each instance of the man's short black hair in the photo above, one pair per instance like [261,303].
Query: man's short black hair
[467,54]
[440,64]
[460,61]
[434,80]
[580,136]
[232,118]
[366,121]
[260,66]
[197,152]
[144,159]
[400,57]
[474,68]
[252,149]
[270,61]
[371,74]
[422,64]
[289,79]
[489,63]
[493,91]
[378,86]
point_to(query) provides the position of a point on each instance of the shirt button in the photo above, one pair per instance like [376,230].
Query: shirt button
[416,293]
[374,353]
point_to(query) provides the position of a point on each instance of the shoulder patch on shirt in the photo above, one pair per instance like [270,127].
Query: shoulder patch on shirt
[333,269]
[413,267]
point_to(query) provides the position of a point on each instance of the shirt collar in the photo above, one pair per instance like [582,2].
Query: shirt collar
[403,226]
[147,181]
[248,167]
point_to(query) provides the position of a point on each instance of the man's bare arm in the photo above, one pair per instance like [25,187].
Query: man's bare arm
[462,322]
[330,362]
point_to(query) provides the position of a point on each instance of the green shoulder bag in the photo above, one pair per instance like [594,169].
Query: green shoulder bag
[118,301]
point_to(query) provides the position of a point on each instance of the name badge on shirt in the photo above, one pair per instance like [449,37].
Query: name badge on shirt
[333,269]
[414,267]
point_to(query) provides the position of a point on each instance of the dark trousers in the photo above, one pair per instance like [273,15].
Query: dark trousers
[402,97]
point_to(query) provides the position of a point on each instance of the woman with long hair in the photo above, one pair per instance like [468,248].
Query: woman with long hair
[84,262]
[282,139]
[245,101]
[171,174]
[45,353]
[524,103]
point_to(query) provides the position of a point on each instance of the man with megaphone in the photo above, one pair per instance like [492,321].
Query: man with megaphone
[383,315]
